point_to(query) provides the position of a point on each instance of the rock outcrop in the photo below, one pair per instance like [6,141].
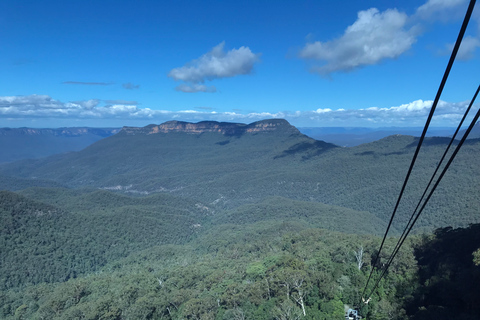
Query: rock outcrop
[226,128]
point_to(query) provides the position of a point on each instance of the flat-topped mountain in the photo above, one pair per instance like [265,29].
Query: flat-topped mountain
[190,152]
[226,128]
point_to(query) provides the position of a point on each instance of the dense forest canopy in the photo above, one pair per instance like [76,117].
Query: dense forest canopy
[235,222]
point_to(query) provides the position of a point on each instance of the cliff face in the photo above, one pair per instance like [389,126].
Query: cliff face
[226,128]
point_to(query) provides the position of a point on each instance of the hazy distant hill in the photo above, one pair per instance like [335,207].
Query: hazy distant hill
[236,164]
[474,134]
[353,136]
[29,143]
[14,183]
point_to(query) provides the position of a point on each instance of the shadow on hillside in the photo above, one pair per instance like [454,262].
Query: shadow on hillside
[222,143]
[376,154]
[450,280]
[430,141]
[309,149]
[472,141]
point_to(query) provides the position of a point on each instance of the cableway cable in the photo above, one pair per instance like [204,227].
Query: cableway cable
[470,127]
[397,246]
[422,137]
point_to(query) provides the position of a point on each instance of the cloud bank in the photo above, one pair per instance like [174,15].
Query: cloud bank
[409,114]
[215,64]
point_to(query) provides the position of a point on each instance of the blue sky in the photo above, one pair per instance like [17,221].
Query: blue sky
[314,63]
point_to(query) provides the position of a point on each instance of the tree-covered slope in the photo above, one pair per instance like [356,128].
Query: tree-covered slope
[264,271]
[259,271]
[151,161]
[104,255]
[310,213]
[236,164]
[83,231]
[448,275]
[14,183]
[369,177]
[76,231]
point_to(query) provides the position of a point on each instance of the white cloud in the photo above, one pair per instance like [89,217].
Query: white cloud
[441,9]
[448,10]
[215,64]
[38,107]
[467,48]
[323,110]
[195,88]
[375,36]
[87,104]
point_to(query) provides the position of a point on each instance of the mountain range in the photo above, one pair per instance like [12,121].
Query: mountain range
[236,164]
[217,220]
[30,143]
[353,136]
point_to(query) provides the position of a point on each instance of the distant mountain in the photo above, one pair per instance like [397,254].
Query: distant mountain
[231,165]
[176,157]
[15,183]
[225,128]
[474,134]
[29,143]
[354,136]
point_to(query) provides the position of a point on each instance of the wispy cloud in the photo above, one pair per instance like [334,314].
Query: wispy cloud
[88,83]
[21,61]
[467,48]
[195,88]
[130,86]
[409,114]
[215,64]
[119,101]
[445,11]
[441,10]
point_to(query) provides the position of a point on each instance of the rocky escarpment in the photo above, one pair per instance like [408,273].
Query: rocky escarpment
[226,128]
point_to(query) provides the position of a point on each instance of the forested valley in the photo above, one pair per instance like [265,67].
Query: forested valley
[232,221]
